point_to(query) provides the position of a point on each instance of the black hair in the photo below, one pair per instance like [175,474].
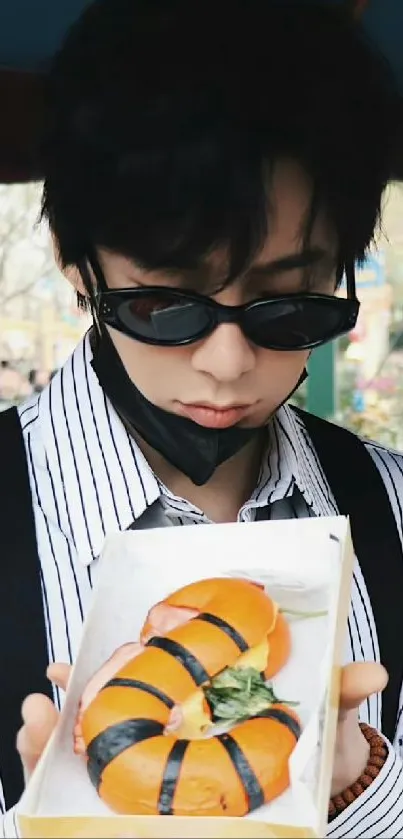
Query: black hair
[166,119]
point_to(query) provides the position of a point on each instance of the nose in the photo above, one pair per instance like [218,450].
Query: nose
[226,354]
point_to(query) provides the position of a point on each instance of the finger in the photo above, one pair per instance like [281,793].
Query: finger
[360,680]
[39,717]
[108,670]
[59,674]
[345,715]
[28,759]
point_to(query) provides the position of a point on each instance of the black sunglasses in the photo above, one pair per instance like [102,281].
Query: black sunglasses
[171,317]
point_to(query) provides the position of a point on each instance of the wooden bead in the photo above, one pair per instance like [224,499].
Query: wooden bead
[376,761]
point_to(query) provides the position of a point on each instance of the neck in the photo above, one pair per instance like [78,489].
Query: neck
[226,491]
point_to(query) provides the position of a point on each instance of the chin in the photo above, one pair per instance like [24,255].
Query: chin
[260,418]
[252,422]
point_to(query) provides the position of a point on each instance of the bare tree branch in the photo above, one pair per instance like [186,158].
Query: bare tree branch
[19,236]
[20,292]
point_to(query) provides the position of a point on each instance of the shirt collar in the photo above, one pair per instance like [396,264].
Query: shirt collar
[101,481]
[298,453]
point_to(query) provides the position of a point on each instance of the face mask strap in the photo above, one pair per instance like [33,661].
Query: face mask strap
[91,262]
[350,280]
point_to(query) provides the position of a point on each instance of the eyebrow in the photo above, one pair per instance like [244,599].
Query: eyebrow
[302,260]
[291,262]
[202,279]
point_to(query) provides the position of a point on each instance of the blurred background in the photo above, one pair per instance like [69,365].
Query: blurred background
[39,320]
[358,381]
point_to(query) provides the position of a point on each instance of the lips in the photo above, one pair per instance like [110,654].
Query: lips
[213,417]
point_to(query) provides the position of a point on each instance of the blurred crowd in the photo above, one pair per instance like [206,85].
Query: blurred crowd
[17,384]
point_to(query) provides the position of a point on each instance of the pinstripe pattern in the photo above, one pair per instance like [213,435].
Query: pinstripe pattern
[89,480]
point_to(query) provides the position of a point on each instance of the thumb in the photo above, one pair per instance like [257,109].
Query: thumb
[59,674]
[360,680]
[39,717]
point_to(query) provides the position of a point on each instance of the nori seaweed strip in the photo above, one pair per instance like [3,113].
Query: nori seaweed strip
[250,783]
[171,777]
[229,630]
[187,659]
[135,683]
[114,740]
[281,716]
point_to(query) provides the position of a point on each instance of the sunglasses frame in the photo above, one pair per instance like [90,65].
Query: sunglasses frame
[110,301]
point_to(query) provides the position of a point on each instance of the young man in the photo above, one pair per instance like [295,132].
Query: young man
[212,172]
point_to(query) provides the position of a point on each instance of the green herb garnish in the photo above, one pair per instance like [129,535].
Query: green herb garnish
[236,695]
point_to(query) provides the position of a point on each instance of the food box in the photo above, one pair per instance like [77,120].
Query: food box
[305,566]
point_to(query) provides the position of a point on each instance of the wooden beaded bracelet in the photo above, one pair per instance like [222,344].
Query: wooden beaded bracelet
[377,757]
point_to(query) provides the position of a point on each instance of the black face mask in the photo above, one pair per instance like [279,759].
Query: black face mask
[192,449]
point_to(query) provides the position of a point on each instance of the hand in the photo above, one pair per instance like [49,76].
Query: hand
[358,681]
[39,719]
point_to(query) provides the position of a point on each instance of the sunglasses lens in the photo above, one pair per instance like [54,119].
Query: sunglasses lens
[164,318]
[296,324]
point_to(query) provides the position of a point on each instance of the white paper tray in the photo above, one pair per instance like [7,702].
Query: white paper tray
[306,565]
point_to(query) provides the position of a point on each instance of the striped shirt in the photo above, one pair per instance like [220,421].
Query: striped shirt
[89,480]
